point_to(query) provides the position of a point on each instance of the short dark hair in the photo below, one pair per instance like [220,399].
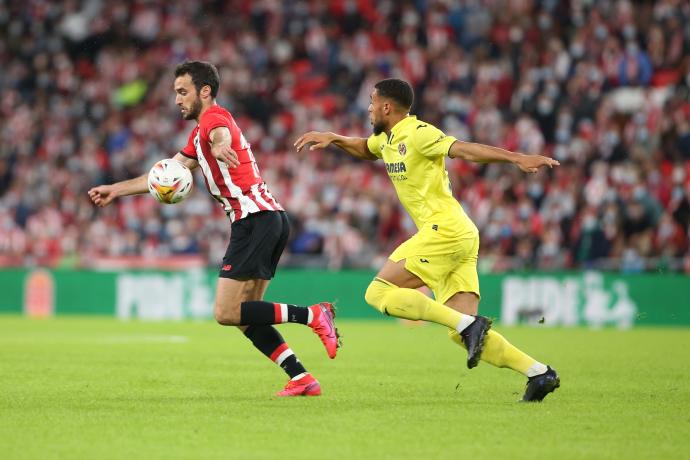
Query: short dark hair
[399,91]
[202,73]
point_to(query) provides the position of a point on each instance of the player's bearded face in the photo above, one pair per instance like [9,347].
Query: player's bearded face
[378,127]
[375,115]
[187,97]
[192,112]
[376,118]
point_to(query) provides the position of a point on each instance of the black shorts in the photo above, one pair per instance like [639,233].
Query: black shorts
[256,244]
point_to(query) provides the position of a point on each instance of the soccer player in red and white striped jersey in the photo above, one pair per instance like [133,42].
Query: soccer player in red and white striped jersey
[259,230]
[237,185]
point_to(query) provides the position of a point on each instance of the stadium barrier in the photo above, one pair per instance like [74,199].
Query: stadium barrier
[553,299]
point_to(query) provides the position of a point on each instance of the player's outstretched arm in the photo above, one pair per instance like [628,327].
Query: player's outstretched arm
[480,153]
[190,163]
[103,195]
[355,146]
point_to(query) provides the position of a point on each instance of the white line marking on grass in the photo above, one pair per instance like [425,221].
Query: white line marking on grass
[125,339]
[106,340]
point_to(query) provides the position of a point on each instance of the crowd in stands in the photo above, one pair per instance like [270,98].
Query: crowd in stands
[603,86]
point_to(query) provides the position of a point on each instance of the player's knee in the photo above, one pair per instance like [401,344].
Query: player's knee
[224,319]
[226,315]
[375,294]
[371,296]
[391,300]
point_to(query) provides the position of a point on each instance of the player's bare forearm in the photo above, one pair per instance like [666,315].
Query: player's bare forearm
[103,195]
[355,146]
[221,146]
[480,153]
[188,162]
[135,186]
[139,185]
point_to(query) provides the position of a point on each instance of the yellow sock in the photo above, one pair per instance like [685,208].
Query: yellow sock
[501,353]
[412,304]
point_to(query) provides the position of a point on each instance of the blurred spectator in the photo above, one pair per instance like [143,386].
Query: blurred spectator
[602,86]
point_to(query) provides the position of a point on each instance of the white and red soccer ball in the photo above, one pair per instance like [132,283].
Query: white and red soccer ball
[170,181]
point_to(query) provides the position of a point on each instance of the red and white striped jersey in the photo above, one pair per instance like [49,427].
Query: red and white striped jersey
[240,190]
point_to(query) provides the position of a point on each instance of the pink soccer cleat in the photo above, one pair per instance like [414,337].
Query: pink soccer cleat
[323,325]
[306,386]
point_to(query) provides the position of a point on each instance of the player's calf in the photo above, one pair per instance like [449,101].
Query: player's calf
[319,317]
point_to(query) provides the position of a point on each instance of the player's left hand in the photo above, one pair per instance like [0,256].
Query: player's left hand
[532,163]
[226,154]
[317,139]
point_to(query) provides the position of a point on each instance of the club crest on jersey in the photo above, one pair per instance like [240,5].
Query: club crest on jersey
[402,149]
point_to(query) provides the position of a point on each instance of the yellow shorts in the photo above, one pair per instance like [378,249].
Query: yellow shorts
[447,265]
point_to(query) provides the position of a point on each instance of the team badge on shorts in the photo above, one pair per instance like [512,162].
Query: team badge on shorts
[402,149]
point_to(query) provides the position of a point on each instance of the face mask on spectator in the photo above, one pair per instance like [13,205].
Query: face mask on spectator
[601,32]
[545,22]
[545,106]
[611,196]
[589,223]
[631,48]
[562,135]
[561,152]
[535,190]
[577,50]
[629,31]
[612,138]
[677,193]
[610,216]
[552,90]
[639,192]
[678,175]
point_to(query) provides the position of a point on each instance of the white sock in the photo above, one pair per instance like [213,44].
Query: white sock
[465,320]
[536,369]
[299,376]
[310,316]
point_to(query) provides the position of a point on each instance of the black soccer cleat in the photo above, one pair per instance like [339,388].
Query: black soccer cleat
[541,385]
[473,337]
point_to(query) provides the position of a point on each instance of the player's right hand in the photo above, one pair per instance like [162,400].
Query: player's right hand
[317,139]
[102,195]
[226,154]
[532,163]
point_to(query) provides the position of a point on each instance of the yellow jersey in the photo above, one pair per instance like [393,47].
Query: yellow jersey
[414,155]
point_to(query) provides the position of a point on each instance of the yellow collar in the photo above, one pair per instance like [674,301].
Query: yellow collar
[399,126]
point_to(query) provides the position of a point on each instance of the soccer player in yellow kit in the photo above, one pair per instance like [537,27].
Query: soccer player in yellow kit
[443,253]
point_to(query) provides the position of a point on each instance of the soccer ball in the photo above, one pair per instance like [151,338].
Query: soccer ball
[170,181]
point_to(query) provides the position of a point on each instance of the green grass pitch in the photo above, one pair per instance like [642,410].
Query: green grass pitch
[100,388]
